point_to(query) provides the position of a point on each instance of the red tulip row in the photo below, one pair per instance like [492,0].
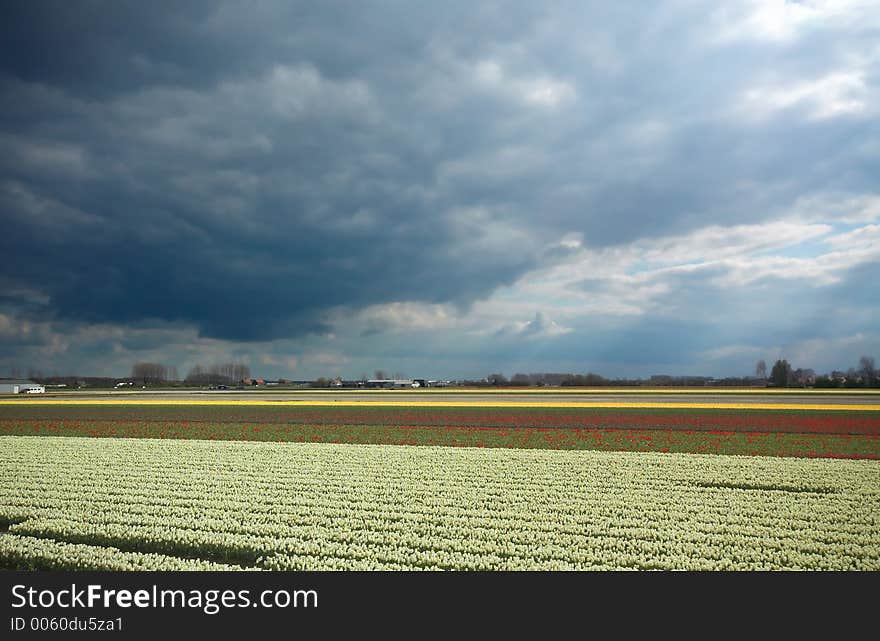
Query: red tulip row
[817,422]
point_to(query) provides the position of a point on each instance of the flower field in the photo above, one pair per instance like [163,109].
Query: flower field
[151,503]
[824,422]
[829,445]
[831,434]
[309,487]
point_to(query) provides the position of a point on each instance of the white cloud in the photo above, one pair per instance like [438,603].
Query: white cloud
[728,351]
[650,275]
[483,230]
[232,117]
[817,271]
[717,242]
[323,358]
[37,336]
[296,90]
[539,90]
[836,94]
[821,354]
[837,207]
[287,361]
[407,316]
[864,238]
[541,326]
[546,92]
[645,277]
[569,242]
[7,326]
[506,162]
[843,350]
[784,21]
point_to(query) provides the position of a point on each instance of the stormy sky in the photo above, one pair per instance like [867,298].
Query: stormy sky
[441,190]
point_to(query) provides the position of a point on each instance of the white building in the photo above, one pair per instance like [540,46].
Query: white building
[20,386]
[391,383]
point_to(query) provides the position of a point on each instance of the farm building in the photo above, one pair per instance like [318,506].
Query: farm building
[19,386]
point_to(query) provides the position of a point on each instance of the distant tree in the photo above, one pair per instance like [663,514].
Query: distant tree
[497,379]
[853,379]
[218,374]
[761,369]
[229,372]
[867,370]
[781,376]
[803,377]
[195,374]
[825,382]
[380,373]
[149,373]
[321,382]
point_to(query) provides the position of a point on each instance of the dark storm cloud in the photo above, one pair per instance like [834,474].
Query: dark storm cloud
[249,219]
[247,168]
[98,48]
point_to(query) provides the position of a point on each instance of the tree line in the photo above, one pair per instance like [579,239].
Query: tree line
[216,374]
[783,375]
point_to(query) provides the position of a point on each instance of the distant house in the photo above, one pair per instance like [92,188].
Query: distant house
[20,386]
[391,383]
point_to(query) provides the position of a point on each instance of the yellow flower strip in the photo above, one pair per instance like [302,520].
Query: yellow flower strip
[809,407]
